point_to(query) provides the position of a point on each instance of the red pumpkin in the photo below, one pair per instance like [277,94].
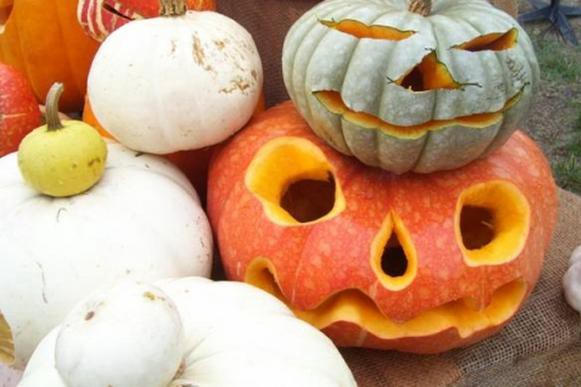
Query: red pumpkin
[19,111]
[101,17]
[416,263]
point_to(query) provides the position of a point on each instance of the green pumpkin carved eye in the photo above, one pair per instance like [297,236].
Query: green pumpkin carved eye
[362,30]
[496,41]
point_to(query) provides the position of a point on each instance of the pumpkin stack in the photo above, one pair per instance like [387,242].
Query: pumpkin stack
[105,215]
[433,234]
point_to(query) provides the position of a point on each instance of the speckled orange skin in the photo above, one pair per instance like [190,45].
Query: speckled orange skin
[316,261]
[19,111]
[43,40]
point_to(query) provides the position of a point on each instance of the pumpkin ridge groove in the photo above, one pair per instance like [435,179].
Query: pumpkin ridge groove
[345,74]
[308,64]
[300,47]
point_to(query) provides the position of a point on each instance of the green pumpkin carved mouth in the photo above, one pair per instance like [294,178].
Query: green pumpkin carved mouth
[333,102]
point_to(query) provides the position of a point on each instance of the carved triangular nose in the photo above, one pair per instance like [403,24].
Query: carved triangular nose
[393,255]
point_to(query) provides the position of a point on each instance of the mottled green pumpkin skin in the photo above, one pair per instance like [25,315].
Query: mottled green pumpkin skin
[475,112]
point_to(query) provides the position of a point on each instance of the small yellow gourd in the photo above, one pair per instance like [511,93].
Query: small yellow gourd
[62,158]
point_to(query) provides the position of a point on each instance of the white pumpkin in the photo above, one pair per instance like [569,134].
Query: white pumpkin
[175,83]
[185,332]
[572,281]
[143,220]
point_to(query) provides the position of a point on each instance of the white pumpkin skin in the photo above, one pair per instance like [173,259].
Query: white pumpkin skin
[233,335]
[319,58]
[168,84]
[97,340]
[572,281]
[142,221]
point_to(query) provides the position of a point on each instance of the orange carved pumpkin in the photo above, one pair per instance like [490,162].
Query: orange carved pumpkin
[42,39]
[417,263]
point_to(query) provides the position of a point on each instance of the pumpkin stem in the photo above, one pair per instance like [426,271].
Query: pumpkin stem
[172,7]
[53,120]
[422,7]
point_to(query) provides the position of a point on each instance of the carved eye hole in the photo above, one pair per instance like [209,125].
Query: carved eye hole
[361,30]
[5,11]
[492,223]
[295,182]
[491,42]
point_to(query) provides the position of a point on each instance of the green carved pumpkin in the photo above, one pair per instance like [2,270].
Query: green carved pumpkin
[410,85]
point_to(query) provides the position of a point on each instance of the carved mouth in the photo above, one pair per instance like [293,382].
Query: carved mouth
[333,102]
[355,307]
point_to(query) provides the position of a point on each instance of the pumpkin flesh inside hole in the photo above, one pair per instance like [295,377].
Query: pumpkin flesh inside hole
[394,263]
[294,182]
[476,226]
[393,256]
[333,102]
[361,30]
[6,342]
[429,74]
[492,223]
[491,42]
[355,307]
[308,200]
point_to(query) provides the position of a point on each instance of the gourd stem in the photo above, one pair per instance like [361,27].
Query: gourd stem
[421,7]
[53,121]
[172,7]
